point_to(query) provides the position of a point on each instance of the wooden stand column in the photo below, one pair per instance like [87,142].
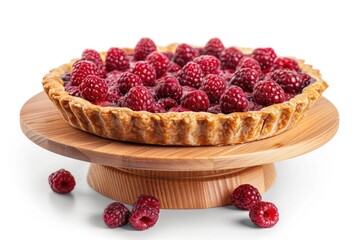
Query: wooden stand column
[197,189]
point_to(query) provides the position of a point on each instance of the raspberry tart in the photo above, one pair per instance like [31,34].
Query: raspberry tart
[184,95]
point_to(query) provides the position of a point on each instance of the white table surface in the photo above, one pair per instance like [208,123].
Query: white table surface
[316,193]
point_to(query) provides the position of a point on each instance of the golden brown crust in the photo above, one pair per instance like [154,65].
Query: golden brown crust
[185,128]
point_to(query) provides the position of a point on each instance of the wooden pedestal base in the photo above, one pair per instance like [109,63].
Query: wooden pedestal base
[181,177]
[184,190]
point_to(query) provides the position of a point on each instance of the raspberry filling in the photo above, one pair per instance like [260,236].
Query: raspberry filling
[211,79]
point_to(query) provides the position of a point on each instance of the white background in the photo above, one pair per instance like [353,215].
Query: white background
[316,193]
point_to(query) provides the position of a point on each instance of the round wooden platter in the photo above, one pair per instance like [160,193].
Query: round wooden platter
[181,177]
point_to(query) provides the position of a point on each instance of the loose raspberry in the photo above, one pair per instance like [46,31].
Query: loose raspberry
[214,47]
[116,59]
[233,100]
[230,58]
[245,196]
[184,53]
[268,92]
[138,99]
[116,215]
[146,72]
[196,101]
[143,48]
[289,80]
[190,75]
[62,181]
[245,78]
[93,88]
[94,56]
[288,63]
[208,64]
[91,55]
[127,81]
[147,200]
[159,62]
[249,62]
[143,217]
[169,87]
[265,57]
[82,69]
[264,214]
[214,86]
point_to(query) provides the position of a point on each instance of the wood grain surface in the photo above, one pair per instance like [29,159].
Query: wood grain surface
[178,189]
[181,177]
[43,124]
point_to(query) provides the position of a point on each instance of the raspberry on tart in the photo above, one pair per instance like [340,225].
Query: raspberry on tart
[116,59]
[245,78]
[214,86]
[213,47]
[94,56]
[230,58]
[164,105]
[146,72]
[286,63]
[93,88]
[138,99]
[174,67]
[159,62]
[169,87]
[265,57]
[143,48]
[191,75]
[233,100]
[184,53]
[268,93]
[208,64]
[196,101]
[249,62]
[187,89]
[127,80]
[82,69]
[288,80]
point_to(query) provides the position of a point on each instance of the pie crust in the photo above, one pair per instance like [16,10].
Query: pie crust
[181,128]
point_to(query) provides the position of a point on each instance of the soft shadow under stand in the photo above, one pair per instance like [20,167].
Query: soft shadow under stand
[181,177]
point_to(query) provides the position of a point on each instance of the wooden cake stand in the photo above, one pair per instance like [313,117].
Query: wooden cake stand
[181,177]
